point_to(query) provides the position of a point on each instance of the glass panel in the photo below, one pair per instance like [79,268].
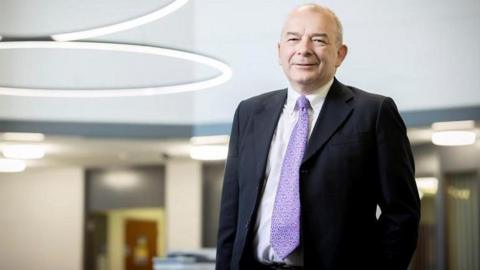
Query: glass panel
[463,221]
[424,258]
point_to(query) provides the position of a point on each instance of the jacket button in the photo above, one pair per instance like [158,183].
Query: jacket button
[247,225]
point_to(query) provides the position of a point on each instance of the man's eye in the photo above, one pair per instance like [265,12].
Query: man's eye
[320,41]
[292,39]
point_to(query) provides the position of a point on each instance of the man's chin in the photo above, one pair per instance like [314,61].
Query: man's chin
[311,83]
[305,80]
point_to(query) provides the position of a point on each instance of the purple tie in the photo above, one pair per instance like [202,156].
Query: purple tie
[285,231]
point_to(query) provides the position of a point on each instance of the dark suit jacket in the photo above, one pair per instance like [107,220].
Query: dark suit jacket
[358,156]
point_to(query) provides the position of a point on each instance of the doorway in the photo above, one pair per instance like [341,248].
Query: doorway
[141,244]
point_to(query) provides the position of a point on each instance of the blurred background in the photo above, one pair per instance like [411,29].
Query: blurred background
[115,183]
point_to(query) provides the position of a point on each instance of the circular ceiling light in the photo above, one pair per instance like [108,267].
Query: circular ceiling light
[226,72]
[122,26]
[114,28]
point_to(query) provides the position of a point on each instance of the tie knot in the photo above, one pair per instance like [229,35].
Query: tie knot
[303,103]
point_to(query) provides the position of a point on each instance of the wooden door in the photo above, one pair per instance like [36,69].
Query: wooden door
[141,244]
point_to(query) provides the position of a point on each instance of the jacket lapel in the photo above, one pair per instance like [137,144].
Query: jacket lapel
[265,121]
[335,111]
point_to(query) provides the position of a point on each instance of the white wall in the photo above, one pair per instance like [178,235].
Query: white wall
[41,219]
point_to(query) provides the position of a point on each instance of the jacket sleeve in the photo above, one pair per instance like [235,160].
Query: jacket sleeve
[229,202]
[398,195]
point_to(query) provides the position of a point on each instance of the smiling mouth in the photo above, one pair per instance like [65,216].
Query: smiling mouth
[305,65]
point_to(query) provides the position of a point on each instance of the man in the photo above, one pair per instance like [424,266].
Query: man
[308,165]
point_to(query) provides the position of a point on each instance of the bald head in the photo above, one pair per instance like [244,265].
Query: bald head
[321,11]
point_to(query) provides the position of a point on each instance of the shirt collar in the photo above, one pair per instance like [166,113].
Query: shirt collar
[316,98]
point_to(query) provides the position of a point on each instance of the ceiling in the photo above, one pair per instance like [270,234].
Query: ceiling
[425,54]
[98,153]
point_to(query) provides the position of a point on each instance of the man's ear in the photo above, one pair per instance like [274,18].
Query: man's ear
[341,54]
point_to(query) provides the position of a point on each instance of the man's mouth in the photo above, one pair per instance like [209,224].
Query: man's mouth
[305,64]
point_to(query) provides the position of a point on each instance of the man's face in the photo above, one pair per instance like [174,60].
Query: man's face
[308,50]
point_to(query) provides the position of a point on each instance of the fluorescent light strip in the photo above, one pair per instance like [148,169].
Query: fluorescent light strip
[11,165]
[453,125]
[114,28]
[213,139]
[427,185]
[22,136]
[23,151]
[226,71]
[209,152]
[453,138]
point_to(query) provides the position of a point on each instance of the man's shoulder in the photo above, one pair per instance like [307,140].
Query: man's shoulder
[363,98]
[266,96]
[364,94]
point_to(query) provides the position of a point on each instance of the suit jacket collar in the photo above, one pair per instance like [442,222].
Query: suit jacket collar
[334,113]
[265,122]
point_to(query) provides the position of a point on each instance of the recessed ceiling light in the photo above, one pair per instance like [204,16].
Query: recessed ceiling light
[114,28]
[427,185]
[453,125]
[21,136]
[23,151]
[11,165]
[121,180]
[453,138]
[214,139]
[454,133]
[226,72]
[209,152]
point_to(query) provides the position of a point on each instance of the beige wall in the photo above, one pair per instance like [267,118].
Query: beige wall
[41,219]
[183,194]
[116,232]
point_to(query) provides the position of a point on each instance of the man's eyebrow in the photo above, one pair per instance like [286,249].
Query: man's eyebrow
[313,35]
[320,35]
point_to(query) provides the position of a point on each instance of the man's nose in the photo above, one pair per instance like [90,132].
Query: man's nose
[304,47]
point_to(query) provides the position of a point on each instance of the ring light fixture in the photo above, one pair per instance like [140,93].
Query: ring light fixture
[114,28]
[226,72]
[64,41]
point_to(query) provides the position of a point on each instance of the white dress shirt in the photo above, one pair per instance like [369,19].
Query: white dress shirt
[263,251]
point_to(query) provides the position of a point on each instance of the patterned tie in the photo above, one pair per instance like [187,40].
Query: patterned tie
[285,230]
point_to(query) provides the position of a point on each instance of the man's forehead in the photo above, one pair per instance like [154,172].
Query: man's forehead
[311,13]
[314,19]
[302,25]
